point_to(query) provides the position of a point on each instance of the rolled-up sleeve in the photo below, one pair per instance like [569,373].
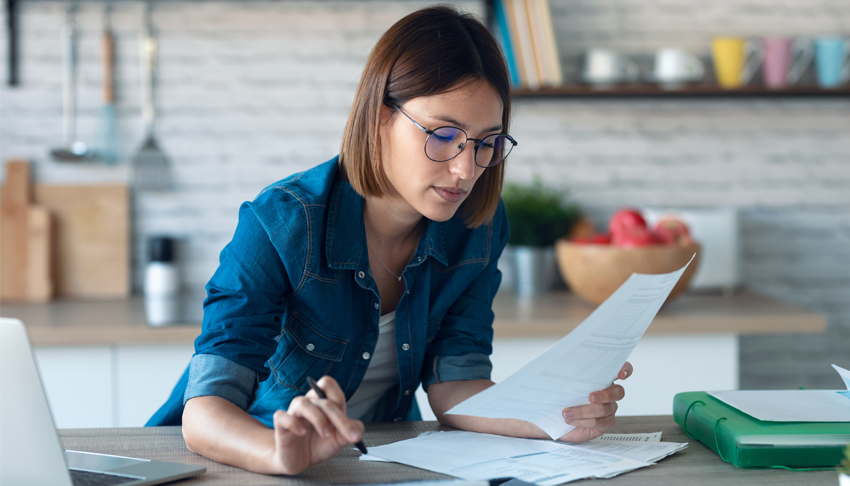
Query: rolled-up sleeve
[245,304]
[461,350]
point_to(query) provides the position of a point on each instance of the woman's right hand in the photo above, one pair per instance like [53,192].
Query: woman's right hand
[313,429]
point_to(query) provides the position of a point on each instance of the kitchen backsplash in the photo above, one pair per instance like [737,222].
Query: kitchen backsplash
[249,92]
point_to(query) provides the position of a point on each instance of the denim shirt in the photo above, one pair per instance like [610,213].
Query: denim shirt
[294,297]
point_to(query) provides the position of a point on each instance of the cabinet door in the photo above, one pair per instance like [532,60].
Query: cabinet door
[78,383]
[146,374]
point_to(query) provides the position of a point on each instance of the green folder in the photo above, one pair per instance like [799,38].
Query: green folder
[745,441]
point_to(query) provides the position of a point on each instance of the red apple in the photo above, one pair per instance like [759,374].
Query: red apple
[601,239]
[633,238]
[624,220]
[673,232]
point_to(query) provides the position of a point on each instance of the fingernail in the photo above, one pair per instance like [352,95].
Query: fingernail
[568,414]
[302,430]
[625,373]
[352,435]
[327,433]
[594,398]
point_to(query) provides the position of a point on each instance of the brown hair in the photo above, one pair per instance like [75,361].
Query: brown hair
[429,52]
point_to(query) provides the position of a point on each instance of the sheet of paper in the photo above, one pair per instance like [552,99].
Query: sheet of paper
[647,437]
[473,456]
[639,450]
[586,360]
[845,375]
[788,405]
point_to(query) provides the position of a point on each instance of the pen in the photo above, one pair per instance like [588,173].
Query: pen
[315,387]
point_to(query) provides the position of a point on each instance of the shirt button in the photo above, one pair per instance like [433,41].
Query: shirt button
[405,346]
[377,306]
[397,419]
[366,355]
[406,392]
[418,259]
[361,274]
[311,346]
[407,292]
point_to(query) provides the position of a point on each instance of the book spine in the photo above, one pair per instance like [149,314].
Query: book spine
[554,59]
[538,46]
[507,45]
[525,49]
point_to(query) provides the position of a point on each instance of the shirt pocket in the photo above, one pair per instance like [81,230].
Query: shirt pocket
[432,329]
[304,350]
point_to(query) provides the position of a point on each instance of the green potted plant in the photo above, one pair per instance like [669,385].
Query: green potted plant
[538,216]
[844,469]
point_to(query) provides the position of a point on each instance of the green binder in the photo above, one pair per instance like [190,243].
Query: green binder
[744,441]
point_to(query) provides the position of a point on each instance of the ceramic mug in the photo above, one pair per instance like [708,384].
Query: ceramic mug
[833,61]
[785,60]
[673,65]
[609,66]
[736,60]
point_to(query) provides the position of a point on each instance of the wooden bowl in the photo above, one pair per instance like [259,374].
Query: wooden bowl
[594,272]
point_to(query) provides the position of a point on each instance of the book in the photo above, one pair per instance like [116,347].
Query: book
[504,36]
[518,22]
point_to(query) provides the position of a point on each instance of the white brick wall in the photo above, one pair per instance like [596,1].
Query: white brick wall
[250,92]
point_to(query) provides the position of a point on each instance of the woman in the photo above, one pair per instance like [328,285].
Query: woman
[375,271]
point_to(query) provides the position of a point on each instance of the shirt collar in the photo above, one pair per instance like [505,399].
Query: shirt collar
[345,242]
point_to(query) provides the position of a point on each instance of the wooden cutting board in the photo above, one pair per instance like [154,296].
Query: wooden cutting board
[25,240]
[92,240]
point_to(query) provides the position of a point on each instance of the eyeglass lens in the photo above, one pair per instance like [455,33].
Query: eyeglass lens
[446,142]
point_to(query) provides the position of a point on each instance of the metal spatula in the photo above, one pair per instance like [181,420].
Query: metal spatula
[150,165]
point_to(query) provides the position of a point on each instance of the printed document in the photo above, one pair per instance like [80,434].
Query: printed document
[792,405]
[586,360]
[473,456]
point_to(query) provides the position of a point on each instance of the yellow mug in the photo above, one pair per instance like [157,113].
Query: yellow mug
[736,60]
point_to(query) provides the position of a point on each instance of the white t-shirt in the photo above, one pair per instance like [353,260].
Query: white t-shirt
[381,375]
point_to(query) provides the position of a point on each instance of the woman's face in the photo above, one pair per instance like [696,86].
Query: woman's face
[420,185]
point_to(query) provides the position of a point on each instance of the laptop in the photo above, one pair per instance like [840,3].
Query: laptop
[30,453]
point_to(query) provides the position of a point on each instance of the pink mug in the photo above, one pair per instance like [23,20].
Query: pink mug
[785,60]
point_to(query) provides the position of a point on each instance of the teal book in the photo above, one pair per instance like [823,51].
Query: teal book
[507,45]
[745,441]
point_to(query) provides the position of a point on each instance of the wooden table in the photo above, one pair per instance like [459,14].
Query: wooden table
[696,465]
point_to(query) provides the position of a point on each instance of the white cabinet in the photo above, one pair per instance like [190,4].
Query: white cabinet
[122,386]
[109,386]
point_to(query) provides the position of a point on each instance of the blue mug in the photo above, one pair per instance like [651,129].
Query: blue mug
[833,61]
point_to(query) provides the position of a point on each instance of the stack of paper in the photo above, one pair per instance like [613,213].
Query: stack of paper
[472,456]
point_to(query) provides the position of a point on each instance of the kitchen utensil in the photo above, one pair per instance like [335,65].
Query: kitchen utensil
[604,66]
[150,166]
[594,272]
[833,61]
[108,142]
[25,253]
[12,40]
[785,60]
[674,65]
[92,241]
[736,60]
[74,150]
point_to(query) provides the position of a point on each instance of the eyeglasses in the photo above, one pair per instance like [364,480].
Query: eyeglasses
[446,143]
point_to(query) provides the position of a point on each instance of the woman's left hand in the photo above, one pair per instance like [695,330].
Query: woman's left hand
[593,420]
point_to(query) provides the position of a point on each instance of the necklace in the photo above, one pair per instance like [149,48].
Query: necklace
[384,264]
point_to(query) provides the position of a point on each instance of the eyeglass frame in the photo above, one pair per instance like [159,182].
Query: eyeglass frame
[478,141]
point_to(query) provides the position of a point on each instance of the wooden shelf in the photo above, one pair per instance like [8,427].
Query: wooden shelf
[643,90]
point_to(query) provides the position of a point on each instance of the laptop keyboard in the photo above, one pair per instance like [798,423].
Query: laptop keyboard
[86,478]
